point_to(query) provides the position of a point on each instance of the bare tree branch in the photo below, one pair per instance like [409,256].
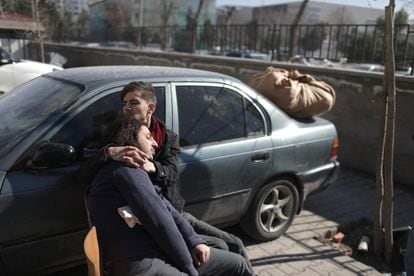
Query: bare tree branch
[193,22]
[295,25]
[166,11]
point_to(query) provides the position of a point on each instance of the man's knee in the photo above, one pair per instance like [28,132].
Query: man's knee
[227,263]
[241,267]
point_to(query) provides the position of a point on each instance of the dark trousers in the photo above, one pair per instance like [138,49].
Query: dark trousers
[218,238]
[221,263]
[409,256]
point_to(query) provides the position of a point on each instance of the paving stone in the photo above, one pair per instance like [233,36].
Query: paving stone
[286,241]
[361,267]
[305,213]
[288,269]
[257,252]
[354,271]
[343,260]
[303,235]
[299,248]
[343,273]
[275,247]
[307,272]
[264,269]
[271,272]
[308,219]
[320,248]
[325,267]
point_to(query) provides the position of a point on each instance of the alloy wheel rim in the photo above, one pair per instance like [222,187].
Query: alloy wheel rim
[276,208]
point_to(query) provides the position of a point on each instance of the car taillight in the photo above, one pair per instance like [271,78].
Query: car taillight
[334,150]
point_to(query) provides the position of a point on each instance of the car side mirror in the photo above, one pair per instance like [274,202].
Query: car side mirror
[52,155]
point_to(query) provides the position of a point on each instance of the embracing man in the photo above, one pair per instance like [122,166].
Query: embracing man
[161,241]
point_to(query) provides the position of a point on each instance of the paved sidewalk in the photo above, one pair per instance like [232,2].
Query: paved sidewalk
[298,253]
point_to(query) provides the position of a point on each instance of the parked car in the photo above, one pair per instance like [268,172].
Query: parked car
[14,72]
[242,159]
[118,44]
[250,55]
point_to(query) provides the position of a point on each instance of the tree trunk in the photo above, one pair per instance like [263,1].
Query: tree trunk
[194,26]
[384,190]
[38,31]
[165,16]
[379,195]
[292,34]
[389,140]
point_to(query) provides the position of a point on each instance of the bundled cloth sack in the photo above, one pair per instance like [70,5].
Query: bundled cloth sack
[299,95]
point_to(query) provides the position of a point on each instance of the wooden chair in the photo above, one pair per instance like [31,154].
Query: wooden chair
[91,248]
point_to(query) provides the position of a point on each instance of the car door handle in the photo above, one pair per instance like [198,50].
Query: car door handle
[260,157]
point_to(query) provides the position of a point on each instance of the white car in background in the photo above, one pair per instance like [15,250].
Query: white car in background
[14,72]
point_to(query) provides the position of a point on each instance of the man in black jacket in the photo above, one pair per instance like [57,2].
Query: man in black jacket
[162,242]
[139,103]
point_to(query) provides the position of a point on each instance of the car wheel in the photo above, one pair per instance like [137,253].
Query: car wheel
[272,210]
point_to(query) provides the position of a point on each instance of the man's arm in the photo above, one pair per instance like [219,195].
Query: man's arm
[166,162]
[199,252]
[163,168]
[92,165]
[137,189]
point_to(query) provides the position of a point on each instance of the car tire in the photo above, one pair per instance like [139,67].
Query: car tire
[272,210]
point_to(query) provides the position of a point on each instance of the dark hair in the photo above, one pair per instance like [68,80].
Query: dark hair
[128,132]
[146,89]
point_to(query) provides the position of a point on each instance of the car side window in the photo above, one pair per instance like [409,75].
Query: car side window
[211,114]
[254,121]
[95,126]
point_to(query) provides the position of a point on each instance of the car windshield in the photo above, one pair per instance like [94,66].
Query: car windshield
[24,109]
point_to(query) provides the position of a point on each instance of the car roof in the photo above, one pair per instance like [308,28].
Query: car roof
[97,76]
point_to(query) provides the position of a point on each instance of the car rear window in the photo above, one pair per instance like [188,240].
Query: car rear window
[26,107]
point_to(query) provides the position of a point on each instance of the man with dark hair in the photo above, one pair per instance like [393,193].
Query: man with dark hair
[162,242]
[139,103]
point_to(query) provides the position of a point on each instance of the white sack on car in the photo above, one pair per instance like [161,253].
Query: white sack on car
[297,94]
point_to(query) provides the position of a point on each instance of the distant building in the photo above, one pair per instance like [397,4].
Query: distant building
[148,13]
[234,15]
[316,12]
[73,7]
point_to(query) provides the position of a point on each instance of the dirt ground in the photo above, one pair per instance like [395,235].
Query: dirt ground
[353,232]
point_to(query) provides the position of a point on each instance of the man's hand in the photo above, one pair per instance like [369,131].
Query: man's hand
[148,166]
[132,156]
[200,254]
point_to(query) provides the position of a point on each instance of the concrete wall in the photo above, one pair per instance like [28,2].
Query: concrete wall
[356,114]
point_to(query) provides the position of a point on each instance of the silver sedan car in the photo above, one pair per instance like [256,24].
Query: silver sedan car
[243,160]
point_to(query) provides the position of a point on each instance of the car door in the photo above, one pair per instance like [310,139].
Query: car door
[45,208]
[225,149]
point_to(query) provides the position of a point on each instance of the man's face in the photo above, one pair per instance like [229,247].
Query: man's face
[136,107]
[146,142]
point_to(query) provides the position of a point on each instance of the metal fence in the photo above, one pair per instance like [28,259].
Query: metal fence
[356,43]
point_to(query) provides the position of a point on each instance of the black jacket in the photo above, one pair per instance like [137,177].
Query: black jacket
[166,163]
[166,176]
